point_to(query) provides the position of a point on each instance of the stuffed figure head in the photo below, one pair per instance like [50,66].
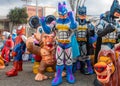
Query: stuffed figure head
[106,68]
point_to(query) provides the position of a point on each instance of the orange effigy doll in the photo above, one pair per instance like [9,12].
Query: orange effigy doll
[46,50]
[2,65]
[107,68]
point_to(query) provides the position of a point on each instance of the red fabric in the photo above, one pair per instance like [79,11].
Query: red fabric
[20,66]
[6,49]
[14,54]
[13,71]
[21,31]
[18,40]
[38,58]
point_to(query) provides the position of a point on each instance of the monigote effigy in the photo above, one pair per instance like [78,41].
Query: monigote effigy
[8,46]
[46,49]
[84,32]
[65,26]
[18,50]
[107,66]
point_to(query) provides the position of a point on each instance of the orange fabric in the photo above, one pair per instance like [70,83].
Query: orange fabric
[14,53]
[21,31]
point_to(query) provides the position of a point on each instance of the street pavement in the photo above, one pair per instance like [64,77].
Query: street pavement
[26,78]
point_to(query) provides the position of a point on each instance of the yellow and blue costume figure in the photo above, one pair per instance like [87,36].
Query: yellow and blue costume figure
[107,29]
[65,26]
[84,31]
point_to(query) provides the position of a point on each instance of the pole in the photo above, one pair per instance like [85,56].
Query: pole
[36,7]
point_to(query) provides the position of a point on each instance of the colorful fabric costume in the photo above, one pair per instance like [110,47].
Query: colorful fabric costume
[45,50]
[107,31]
[2,65]
[14,35]
[65,26]
[17,52]
[3,40]
[107,68]
[84,32]
[8,45]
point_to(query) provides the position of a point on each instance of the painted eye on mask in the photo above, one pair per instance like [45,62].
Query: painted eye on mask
[65,12]
[110,64]
[60,13]
[40,30]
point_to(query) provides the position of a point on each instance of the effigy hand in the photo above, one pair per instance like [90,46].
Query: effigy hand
[111,27]
[73,24]
[14,54]
[29,43]
[71,16]
[42,21]
[40,77]
[46,28]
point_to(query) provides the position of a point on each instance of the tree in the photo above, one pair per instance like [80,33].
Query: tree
[72,4]
[18,16]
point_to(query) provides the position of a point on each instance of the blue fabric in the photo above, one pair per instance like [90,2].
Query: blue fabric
[19,49]
[75,47]
[110,45]
[13,37]
[2,45]
[70,77]
[82,10]
[93,39]
[81,22]
[64,46]
[73,25]
[62,10]
[58,79]
[46,28]
[63,21]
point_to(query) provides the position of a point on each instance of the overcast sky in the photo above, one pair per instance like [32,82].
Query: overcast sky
[94,7]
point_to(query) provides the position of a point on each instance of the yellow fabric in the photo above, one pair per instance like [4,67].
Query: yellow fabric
[117,55]
[49,69]
[2,65]
[106,40]
[82,28]
[64,41]
[92,57]
[36,66]
[1,61]
[82,39]
[62,27]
